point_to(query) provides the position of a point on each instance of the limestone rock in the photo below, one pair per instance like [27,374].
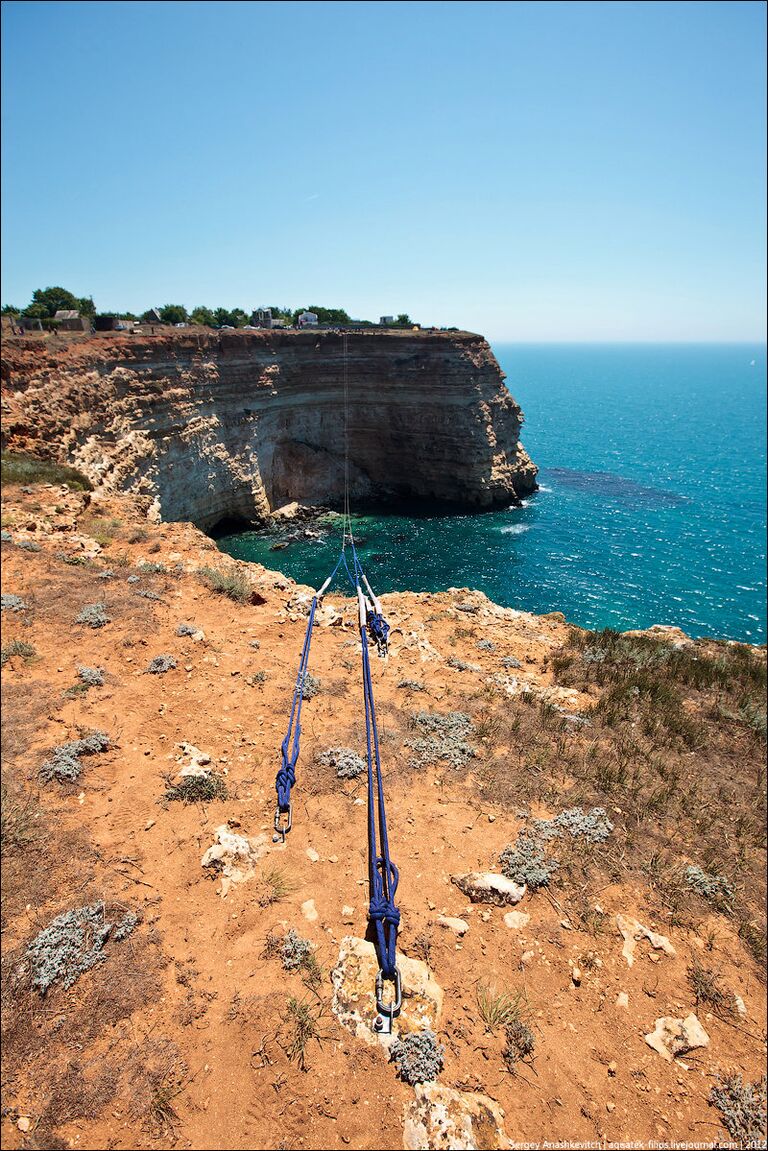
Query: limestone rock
[309,911]
[460,926]
[354,1002]
[516,920]
[198,761]
[233,856]
[203,425]
[442,1119]
[673,1037]
[486,887]
[633,931]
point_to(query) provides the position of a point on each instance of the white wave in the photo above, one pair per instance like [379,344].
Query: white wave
[544,488]
[514,529]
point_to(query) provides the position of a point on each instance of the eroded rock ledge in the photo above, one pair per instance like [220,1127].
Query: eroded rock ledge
[210,426]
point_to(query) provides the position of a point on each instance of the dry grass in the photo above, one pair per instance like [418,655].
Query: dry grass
[498,1008]
[673,737]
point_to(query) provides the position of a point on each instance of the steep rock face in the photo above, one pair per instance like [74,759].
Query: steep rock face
[214,425]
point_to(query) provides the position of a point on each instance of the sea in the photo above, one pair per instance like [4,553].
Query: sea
[651,506]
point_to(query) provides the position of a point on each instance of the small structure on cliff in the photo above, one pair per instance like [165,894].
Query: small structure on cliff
[70,320]
[307,320]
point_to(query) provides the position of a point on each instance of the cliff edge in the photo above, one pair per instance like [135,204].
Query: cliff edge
[212,425]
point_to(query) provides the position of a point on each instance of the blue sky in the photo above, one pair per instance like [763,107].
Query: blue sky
[533,171]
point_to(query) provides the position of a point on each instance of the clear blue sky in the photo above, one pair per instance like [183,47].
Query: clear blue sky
[532,171]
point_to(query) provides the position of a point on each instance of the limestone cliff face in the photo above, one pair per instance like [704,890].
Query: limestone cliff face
[211,425]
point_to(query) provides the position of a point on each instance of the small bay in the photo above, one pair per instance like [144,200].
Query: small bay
[652,501]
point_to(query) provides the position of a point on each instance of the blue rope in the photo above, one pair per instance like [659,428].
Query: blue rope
[383,875]
[286,776]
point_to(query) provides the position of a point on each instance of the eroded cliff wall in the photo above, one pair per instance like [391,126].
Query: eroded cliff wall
[215,425]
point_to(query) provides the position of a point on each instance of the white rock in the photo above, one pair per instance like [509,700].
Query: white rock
[517,919]
[198,761]
[622,999]
[347,915]
[486,887]
[354,1001]
[309,911]
[673,1037]
[460,926]
[234,856]
[312,855]
[633,931]
[442,1119]
[741,1006]
[24,1123]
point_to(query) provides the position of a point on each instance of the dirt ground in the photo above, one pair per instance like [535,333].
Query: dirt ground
[184,1036]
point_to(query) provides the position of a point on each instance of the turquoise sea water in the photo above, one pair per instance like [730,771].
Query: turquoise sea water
[652,506]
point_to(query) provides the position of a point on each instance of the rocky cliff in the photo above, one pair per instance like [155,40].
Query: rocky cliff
[211,426]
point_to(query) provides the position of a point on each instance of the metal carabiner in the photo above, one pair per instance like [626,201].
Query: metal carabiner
[283,821]
[382,1024]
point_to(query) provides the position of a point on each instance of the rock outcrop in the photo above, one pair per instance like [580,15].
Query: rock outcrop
[210,426]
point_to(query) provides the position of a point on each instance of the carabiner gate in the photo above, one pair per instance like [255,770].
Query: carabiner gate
[283,821]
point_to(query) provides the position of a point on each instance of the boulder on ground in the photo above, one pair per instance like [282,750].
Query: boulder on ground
[354,1001]
[443,1119]
[673,1037]
[633,931]
[233,856]
[485,887]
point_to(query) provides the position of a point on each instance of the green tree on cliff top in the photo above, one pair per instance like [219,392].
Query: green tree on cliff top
[174,314]
[46,302]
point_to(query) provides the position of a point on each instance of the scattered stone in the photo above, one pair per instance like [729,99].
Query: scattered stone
[622,999]
[312,855]
[485,887]
[354,1002]
[347,914]
[309,911]
[613,1069]
[673,1037]
[443,1119]
[24,1123]
[198,764]
[233,857]
[517,920]
[633,931]
[576,976]
[460,926]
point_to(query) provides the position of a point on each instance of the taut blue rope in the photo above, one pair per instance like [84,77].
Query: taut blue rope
[286,776]
[383,875]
